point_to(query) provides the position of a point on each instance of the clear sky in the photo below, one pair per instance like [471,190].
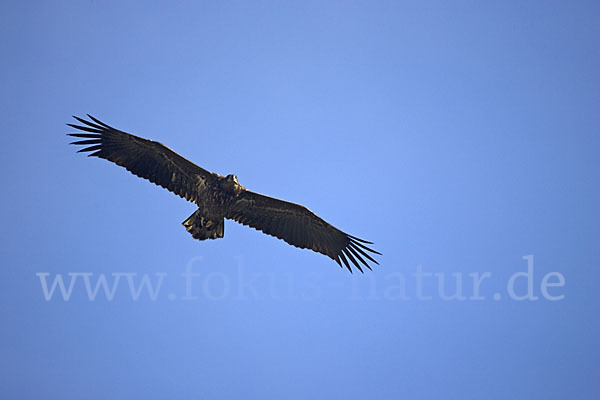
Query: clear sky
[461,137]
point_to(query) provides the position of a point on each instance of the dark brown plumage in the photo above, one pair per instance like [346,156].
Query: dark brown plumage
[220,197]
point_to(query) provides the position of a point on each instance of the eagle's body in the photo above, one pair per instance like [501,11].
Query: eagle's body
[220,197]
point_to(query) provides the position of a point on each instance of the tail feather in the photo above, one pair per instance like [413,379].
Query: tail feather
[202,228]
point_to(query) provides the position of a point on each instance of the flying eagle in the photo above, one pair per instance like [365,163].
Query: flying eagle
[219,197]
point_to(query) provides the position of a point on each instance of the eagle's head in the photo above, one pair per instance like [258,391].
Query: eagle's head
[230,184]
[231,178]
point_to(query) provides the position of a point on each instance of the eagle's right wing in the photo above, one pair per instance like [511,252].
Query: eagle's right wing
[300,227]
[144,158]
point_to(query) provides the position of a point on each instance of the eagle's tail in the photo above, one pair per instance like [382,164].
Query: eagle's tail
[202,228]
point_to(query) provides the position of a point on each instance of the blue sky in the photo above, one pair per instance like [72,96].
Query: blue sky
[460,137]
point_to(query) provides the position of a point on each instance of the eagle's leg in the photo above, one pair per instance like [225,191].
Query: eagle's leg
[202,228]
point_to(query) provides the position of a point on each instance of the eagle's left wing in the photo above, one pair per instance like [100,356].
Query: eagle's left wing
[300,227]
[142,157]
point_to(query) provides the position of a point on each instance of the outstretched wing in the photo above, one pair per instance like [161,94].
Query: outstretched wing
[144,158]
[300,227]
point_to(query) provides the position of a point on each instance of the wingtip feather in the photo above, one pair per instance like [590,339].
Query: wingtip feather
[360,240]
[356,264]
[341,255]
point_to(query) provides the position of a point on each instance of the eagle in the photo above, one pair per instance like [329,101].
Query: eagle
[220,197]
